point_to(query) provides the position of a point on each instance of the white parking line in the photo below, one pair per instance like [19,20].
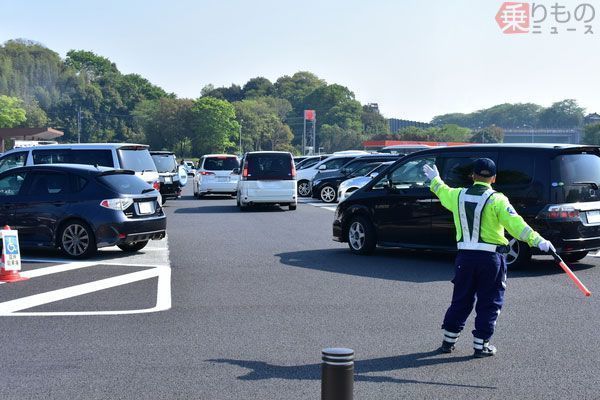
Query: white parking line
[156,262]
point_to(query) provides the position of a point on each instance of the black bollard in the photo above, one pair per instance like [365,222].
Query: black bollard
[337,374]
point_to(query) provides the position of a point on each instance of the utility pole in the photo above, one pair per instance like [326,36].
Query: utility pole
[241,152]
[78,124]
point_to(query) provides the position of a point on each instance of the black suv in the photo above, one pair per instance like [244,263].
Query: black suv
[554,187]
[325,185]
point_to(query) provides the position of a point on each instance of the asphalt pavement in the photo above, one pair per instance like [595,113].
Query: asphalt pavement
[253,298]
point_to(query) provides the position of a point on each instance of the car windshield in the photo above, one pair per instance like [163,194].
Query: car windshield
[364,170]
[578,176]
[221,163]
[165,162]
[138,160]
[308,163]
[125,183]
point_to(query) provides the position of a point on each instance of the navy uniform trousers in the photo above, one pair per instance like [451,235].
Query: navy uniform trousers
[479,275]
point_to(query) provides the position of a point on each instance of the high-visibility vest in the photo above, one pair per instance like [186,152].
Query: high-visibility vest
[470,235]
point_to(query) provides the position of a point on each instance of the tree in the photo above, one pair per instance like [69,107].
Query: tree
[490,134]
[258,87]
[591,134]
[231,94]
[333,138]
[12,112]
[562,114]
[166,123]
[295,88]
[214,127]
[36,117]
[373,122]
[262,125]
[90,64]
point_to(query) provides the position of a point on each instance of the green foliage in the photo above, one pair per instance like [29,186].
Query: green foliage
[446,133]
[334,138]
[373,122]
[36,117]
[258,87]
[591,134]
[262,125]
[12,112]
[563,114]
[490,134]
[214,127]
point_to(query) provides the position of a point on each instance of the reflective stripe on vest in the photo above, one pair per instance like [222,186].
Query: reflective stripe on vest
[470,240]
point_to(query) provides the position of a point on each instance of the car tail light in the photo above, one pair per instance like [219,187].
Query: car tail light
[293,169]
[120,204]
[206,173]
[245,172]
[561,213]
[156,185]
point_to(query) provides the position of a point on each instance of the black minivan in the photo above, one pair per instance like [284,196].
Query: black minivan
[554,187]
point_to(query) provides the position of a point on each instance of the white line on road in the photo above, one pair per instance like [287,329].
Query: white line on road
[163,298]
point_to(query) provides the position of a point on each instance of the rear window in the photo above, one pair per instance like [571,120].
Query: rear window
[578,176]
[125,184]
[221,163]
[73,156]
[269,166]
[138,160]
[165,162]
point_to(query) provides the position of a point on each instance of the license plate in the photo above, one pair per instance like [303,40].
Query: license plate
[146,207]
[168,179]
[593,217]
[223,179]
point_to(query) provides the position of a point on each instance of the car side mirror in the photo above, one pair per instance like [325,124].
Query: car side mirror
[236,171]
[322,167]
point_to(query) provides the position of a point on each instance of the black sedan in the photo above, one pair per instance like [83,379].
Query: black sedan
[79,208]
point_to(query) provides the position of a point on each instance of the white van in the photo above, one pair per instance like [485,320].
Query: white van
[134,157]
[267,177]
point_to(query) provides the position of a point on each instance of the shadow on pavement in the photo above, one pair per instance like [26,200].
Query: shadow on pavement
[405,265]
[228,209]
[261,370]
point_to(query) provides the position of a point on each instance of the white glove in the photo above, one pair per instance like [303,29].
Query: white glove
[546,246]
[429,172]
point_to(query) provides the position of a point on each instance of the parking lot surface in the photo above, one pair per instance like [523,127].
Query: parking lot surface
[254,297]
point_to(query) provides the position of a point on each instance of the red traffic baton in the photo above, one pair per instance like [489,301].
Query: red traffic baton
[570,273]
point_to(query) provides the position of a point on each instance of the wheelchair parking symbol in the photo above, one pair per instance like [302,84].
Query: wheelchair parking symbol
[11,246]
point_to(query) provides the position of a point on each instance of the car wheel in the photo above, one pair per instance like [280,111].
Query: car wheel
[361,236]
[303,189]
[132,247]
[574,257]
[292,207]
[518,254]
[77,240]
[328,194]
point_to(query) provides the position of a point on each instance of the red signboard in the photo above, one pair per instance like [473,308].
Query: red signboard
[309,115]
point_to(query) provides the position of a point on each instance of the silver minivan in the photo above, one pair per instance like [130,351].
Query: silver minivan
[135,157]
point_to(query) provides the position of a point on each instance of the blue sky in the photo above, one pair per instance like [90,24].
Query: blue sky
[415,58]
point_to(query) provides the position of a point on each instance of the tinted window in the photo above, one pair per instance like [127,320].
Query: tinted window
[269,166]
[515,169]
[11,184]
[49,183]
[13,160]
[456,171]
[138,160]
[575,175]
[336,163]
[221,163]
[125,184]
[308,163]
[165,162]
[365,169]
[407,175]
[70,156]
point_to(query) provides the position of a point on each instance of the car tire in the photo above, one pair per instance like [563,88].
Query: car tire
[361,236]
[304,188]
[574,257]
[518,255]
[76,240]
[292,207]
[132,247]
[328,194]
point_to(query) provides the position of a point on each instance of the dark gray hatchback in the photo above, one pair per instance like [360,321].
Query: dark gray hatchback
[554,187]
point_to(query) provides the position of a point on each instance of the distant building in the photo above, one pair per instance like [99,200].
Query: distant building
[530,135]
[591,119]
[396,124]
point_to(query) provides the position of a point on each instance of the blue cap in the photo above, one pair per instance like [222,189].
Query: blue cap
[484,167]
